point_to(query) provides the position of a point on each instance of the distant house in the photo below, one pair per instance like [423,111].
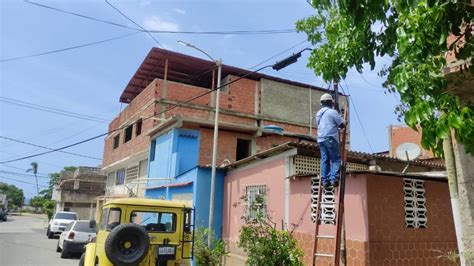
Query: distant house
[391,218]
[77,191]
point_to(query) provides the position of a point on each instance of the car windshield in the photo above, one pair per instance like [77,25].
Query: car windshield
[155,221]
[66,216]
[83,227]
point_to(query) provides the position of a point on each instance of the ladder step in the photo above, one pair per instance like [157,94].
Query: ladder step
[326,237]
[323,255]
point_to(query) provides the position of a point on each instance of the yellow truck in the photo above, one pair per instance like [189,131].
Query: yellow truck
[134,231]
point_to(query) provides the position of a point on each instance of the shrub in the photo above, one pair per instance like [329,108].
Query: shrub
[204,255]
[264,244]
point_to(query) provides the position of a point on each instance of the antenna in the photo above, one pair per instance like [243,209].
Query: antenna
[407,151]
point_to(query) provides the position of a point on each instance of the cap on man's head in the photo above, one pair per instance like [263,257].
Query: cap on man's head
[326,97]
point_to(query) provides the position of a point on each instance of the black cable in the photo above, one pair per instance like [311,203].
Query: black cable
[80,15]
[235,32]
[21,169]
[52,110]
[131,20]
[43,147]
[358,118]
[22,174]
[21,181]
[68,48]
[126,125]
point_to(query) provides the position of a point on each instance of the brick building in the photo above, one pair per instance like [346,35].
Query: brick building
[391,218]
[164,150]
[166,78]
[399,134]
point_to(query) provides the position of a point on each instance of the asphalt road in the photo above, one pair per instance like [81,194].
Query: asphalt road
[23,241]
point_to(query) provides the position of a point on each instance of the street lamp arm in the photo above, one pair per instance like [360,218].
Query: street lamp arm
[197,48]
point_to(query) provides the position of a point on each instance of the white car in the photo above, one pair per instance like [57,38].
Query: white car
[76,235]
[59,223]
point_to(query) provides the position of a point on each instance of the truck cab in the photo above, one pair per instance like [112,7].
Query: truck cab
[133,231]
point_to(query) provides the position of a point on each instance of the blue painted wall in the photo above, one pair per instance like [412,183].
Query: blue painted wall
[176,155]
[202,196]
[172,154]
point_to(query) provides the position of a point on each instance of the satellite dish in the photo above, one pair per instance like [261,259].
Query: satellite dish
[408,151]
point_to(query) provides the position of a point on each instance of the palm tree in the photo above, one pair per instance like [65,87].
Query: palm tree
[34,169]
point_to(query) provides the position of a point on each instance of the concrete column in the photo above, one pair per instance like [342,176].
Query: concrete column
[465,175]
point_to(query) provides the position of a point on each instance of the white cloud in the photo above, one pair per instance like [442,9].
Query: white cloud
[144,3]
[156,23]
[179,11]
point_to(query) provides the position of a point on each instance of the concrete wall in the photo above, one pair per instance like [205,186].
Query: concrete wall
[465,173]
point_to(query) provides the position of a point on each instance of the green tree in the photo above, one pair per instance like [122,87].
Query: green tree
[349,34]
[14,195]
[37,202]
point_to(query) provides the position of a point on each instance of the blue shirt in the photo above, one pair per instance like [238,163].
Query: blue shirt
[328,120]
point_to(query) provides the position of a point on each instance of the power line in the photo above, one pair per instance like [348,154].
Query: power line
[21,181]
[126,125]
[43,147]
[223,32]
[68,48]
[131,20]
[53,110]
[358,118]
[22,174]
[80,15]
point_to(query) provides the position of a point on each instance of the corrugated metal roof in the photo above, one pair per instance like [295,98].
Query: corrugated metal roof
[314,148]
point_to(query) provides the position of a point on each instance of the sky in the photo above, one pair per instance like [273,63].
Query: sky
[89,80]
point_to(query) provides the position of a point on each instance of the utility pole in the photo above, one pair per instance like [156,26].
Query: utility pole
[214,143]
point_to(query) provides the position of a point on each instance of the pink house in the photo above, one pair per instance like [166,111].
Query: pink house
[391,218]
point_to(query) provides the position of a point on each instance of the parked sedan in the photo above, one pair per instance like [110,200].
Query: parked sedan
[59,222]
[76,235]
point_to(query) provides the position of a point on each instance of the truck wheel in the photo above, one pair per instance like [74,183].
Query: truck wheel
[50,235]
[127,245]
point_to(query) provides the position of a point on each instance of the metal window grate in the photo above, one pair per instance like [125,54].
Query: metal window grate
[415,203]
[251,193]
[327,213]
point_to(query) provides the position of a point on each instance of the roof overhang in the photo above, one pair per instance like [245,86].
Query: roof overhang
[188,70]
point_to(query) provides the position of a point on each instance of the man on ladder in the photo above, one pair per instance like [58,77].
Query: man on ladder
[328,122]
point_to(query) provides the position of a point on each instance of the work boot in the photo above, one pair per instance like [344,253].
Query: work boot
[335,184]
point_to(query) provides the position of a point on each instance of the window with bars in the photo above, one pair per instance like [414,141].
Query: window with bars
[415,203]
[256,201]
[327,211]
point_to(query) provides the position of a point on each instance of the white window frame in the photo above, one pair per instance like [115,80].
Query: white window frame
[251,192]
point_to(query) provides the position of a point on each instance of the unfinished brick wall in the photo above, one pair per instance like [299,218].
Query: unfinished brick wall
[142,106]
[390,241]
[227,145]
[402,134]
